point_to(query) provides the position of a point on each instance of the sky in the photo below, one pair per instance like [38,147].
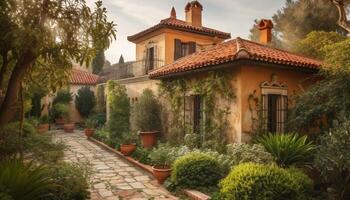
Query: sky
[133,16]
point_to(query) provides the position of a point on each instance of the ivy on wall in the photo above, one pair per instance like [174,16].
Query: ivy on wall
[217,93]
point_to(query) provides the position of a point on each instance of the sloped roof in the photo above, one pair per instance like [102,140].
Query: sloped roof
[234,50]
[79,77]
[181,25]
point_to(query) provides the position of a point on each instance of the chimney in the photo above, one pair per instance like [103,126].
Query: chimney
[173,13]
[265,26]
[193,11]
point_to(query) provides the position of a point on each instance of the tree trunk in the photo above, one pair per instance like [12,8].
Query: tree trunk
[11,96]
[342,21]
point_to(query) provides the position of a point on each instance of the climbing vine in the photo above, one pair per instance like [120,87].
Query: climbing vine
[217,93]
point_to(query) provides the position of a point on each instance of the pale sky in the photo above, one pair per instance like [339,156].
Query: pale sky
[133,16]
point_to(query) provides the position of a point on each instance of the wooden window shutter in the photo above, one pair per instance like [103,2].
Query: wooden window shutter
[192,47]
[177,50]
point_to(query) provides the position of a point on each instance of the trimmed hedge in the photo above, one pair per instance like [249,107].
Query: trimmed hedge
[195,170]
[257,181]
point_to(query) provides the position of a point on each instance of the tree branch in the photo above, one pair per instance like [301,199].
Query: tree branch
[342,20]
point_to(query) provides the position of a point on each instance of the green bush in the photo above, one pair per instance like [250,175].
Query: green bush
[119,110]
[44,119]
[332,159]
[196,170]
[146,112]
[141,155]
[100,119]
[72,180]
[85,101]
[62,96]
[60,110]
[260,182]
[162,156]
[21,181]
[242,153]
[288,149]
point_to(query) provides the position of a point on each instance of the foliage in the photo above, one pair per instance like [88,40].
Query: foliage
[146,112]
[98,62]
[101,135]
[333,160]
[85,101]
[63,97]
[129,138]
[314,43]
[44,119]
[288,149]
[142,155]
[298,18]
[162,156]
[38,147]
[100,99]
[195,170]
[212,88]
[257,181]
[243,153]
[192,140]
[60,110]
[42,39]
[100,119]
[72,179]
[119,110]
[91,123]
[25,181]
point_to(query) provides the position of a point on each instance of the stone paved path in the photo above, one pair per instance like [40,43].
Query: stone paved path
[113,178]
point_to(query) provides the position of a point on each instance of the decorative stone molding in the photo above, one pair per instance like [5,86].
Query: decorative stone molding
[273,83]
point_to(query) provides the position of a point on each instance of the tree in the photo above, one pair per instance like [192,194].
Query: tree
[98,62]
[299,17]
[41,38]
[85,101]
[341,6]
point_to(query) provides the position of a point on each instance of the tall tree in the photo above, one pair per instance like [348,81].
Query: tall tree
[299,17]
[98,62]
[39,39]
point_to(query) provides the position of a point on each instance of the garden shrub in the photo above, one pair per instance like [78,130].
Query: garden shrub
[72,179]
[260,182]
[288,149]
[100,118]
[85,101]
[141,155]
[146,112]
[242,153]
[332,159]
[100,99]
[119,110]
[62,96]
[196,170]
[59,110]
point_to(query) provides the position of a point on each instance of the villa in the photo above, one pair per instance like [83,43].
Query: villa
[263,78]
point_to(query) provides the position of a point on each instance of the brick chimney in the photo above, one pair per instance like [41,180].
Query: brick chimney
[193,11]
[265,26]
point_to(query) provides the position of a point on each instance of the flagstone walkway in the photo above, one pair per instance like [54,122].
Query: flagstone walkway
[112,177]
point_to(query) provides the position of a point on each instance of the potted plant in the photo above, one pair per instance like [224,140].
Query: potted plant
[44,125]
[63,97]
[128,145]
[90,125]
[68,126]
[146,117]
[161,159]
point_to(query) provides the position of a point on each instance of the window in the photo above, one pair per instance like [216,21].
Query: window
[194,112]
[183,48]
[274,102]
[150,59]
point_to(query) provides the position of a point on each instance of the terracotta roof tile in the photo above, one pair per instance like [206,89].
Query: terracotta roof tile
[79,77]
[234,50]
[177,24]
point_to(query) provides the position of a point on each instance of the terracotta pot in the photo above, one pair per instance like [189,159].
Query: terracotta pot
[59,121]
[127,149]
[68,127]
[161,173]
[149,139]
[89,132]
[43,128]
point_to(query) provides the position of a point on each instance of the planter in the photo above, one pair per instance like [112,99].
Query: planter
[68,127]
[161,173]
[43,128]
[127,149]
[59,121]
[149,139]
[89,132]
